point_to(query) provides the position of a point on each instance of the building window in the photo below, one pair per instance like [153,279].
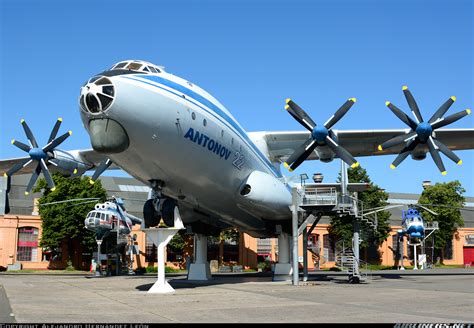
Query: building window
[397,249]
[329,248]
[448,250]
[151,254]
[27,244]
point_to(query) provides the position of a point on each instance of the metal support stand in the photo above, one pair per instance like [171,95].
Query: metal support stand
[305,254]
[355,247]
[282,271]
[414,257]
[200,270]
[161,237]
[295,237]
[97,269]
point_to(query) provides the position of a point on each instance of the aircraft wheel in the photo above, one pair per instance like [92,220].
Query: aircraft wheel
[151,216]
[168,211]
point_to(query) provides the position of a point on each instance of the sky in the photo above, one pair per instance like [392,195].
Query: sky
[251,56]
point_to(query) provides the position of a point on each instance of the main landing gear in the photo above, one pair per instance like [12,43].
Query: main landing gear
[159,206]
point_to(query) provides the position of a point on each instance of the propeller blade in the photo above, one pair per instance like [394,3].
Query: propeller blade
[401,115]
[340,113]
[33,179]
[397,140]
[29,134]
[21,145]
[450,119]
[56,142]
[300,115]
[412,103]
[405,152]
[341,152]
[24,162]
[435,155]
[104,165]
[47,175]
[448,152]
[55,130]
[306,152]
[297,153]
[442,110]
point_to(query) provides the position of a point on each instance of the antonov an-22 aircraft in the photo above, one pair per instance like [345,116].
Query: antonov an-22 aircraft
[178,139]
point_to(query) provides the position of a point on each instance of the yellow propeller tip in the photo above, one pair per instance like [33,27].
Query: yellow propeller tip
[60,119]
[453,98]
[70,132]
[22,120]
[444,172]
[287,100]
[26,193]
[91,181]
[468,111]
[393,167]
[53,189]
[13,141]
[287,107]
[5,175]
[356,164]
[404,88]
[75,171]
[460,162]
[353,99]
[387,103]
[380,148]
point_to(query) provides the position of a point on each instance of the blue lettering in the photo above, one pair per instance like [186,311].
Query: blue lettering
[206,138]
[198,137]
[217,148]
[211,144]
[189,134]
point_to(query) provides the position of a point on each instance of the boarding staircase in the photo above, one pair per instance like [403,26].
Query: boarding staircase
[346,261]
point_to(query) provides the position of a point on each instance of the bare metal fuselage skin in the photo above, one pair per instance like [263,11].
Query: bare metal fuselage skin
[181,135]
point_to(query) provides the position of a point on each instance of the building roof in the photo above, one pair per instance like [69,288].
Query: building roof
[134,193]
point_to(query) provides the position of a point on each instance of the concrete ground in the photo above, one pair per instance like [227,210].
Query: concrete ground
[238,298]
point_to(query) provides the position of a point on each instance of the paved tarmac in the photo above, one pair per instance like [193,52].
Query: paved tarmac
[239,298]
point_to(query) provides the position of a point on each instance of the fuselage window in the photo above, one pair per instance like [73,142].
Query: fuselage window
[222,133]
[204,122]
[193,115]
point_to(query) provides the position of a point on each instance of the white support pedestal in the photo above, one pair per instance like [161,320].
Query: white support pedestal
[200,270]
[283,269]
[161,237]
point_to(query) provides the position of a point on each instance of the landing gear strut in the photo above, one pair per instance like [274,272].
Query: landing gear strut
[160,206]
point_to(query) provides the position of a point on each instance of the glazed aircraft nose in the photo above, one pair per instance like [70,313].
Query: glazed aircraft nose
[97,95]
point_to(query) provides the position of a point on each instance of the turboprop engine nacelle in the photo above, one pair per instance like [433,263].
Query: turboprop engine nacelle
[265,194]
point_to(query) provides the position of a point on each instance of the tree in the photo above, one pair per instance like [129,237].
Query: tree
[342,227]
[449,200]
[64,222]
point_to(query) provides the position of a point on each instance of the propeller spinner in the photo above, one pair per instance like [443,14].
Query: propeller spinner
[320,135]
[41,156]
[423,132]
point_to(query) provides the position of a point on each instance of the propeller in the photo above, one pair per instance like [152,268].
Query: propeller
[41,156]
[422,132]
[104,165]
[320,135]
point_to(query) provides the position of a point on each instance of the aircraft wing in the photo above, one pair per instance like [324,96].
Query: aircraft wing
[281,144]
[88,158]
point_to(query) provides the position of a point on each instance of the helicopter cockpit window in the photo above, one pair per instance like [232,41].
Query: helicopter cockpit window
[97,215]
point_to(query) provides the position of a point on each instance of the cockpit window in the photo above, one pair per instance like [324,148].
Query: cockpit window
[138,66]
[134,66]
[120,65]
